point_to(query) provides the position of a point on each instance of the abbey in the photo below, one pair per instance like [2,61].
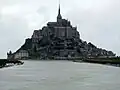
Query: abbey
[57,39]
[62,29]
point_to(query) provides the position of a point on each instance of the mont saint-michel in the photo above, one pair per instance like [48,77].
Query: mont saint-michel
[57,39]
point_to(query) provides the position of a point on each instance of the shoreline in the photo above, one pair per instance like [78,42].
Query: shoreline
[104,61]
[9,63]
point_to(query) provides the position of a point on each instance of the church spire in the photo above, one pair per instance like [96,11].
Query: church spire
[59,14]
[59,10]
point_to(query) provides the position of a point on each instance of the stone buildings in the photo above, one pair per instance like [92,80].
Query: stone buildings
[62,28]
[57,39]
[20,54]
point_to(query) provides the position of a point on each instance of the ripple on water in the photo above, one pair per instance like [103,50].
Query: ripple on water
[59,75]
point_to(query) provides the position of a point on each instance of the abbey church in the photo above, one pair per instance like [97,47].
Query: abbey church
[62,29]
[57,39]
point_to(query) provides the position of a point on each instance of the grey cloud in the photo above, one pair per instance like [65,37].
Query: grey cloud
[45,13]
[13,31]
[100,27]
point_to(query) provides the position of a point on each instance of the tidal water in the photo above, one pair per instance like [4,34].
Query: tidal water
[59,75]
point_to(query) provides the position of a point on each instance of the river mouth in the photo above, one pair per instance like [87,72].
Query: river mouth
[59,75]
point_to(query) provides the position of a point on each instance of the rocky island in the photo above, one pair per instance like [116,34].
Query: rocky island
[58,40]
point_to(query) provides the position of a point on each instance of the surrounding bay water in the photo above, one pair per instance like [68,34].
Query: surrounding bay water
[59,75]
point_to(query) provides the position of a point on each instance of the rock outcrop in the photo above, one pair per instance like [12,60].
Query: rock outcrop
[60,39]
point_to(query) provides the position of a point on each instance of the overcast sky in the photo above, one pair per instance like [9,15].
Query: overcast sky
[98,21]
